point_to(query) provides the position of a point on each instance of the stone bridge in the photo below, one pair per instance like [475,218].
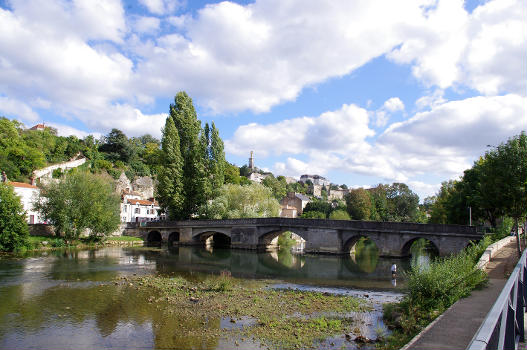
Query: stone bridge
[393,239]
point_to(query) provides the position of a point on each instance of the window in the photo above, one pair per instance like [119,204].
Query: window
[138,210]
[125,208]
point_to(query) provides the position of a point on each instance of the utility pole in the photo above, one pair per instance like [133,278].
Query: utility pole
[470,216]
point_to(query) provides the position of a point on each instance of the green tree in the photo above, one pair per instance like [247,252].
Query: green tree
[237,201]
[214,159]
[116,146]
[279,187]
[379,203]
[359,204]
[318,205]
[170,177]
[82,201]
[194,174]
[232,174]
[13,227]
[313,215]
[339,215]
[402,202]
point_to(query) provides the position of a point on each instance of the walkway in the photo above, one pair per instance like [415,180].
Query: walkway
[456,327]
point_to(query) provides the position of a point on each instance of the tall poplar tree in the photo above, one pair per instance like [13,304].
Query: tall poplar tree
[217,158]
[170,177]
[194,175]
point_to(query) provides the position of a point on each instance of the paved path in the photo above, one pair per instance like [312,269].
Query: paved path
[456,327]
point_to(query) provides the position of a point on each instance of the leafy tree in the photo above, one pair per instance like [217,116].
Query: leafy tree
[117,146]
[279,187]
[170,177]
[214,158]
[319,206]
[194,175]
[232,174]
[245,171]
[236,201]
[313,215]
[402,202]
[379,203]
[339,215]
[13,227]
[79,202]
[359,204]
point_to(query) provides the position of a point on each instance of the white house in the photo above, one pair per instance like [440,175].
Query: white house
[28,194]
[135,209]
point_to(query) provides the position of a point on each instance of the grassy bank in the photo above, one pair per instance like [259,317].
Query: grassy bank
[276,318]
[433,289]
[44,242]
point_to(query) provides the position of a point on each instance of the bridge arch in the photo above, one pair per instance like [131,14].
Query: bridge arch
[266,239]
[154,237]
[405,250]
[349,245]
[173,237]
[213,238]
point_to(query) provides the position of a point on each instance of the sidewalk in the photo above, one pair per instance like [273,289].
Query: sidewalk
[455,328]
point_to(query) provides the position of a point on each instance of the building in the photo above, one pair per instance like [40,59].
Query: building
[251,162]
[315,180]
[337,194]
[28,194]
[139,210]
[293,205]
[257,177]
[39,127]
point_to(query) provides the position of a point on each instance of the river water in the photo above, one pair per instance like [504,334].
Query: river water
[67,299]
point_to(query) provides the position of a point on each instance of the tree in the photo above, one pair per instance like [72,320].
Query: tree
[318,205]
[313,215]
[117,146]
[214,159]
[339,215]
[402,202]
[82,201]
[170,177]
[237,201]
[359,204]
[13,227]
[194,174]
[277,186]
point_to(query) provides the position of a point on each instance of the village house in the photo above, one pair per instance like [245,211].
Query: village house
[293,205]
[28,194]
[136,209]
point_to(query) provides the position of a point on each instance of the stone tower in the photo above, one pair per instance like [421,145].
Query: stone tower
[251,161]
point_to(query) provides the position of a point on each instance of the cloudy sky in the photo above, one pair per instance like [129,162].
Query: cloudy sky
[360,91]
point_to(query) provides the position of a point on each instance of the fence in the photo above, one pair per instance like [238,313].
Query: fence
[503,327]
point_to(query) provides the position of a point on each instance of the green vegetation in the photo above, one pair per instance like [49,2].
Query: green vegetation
[237,201]
[82,201]
[494,187]
[432,289]
[282,318]
[13,228]
[285,240]
[339,215]
[123,239]
[192,161]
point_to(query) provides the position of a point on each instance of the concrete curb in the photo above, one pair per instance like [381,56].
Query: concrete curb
[492,250]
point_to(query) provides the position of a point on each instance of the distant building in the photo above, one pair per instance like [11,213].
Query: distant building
[290,180]
[39,127]
[135,209]
[337,194]
[257,177]
[251,162]
[315,180]
[293,204]
[28,194]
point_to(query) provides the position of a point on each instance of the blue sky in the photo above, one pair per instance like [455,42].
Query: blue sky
[361,92]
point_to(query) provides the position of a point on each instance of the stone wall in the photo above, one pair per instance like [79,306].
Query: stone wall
[41,230]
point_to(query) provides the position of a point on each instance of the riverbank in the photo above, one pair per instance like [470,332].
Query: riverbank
[276,318]
[47,243]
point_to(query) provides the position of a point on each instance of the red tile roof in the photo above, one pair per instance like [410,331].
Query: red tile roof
[21,184]
[141,201]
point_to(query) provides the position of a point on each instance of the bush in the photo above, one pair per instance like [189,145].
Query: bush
[14,232]
[313,215]
[339,215]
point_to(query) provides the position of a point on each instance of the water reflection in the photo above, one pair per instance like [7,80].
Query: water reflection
[68,298]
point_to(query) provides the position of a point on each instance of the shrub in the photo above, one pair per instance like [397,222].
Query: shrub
[14,232]
[339,215]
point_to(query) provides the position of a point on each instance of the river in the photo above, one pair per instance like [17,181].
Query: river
[66,299]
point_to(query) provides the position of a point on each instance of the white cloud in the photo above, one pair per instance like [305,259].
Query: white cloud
[161,7]
[394,104]
[337,131]
[442,141]
[146,25]
[14,108]
[483,50]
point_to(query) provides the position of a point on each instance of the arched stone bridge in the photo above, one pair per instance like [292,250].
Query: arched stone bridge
[322,236]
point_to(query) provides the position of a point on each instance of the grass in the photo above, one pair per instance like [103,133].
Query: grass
[282,318]
[124,239]
[431,290]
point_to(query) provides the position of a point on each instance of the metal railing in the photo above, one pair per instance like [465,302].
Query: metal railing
[503,327]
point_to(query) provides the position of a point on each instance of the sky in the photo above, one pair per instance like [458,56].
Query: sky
[362,92]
